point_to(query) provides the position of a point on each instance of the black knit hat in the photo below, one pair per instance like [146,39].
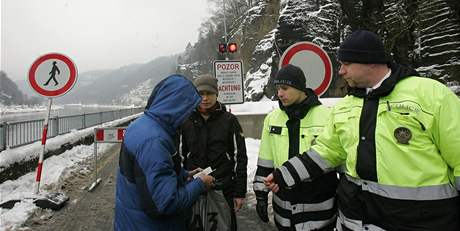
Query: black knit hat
[291,75]
[362,46]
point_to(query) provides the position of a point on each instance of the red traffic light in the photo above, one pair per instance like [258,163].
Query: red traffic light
[232,47]
[222,47]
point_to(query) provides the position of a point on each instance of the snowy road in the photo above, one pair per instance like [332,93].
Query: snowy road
[94,210]
[85,210]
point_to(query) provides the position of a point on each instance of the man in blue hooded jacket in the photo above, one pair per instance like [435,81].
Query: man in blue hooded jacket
[153,191]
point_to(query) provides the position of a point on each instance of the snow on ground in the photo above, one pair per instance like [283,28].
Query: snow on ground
[55,170]
[264,107]
[252,150]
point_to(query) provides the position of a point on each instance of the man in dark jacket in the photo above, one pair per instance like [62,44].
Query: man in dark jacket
[153,191]
[213,137]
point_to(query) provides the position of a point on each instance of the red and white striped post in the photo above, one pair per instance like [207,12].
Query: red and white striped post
[42,153]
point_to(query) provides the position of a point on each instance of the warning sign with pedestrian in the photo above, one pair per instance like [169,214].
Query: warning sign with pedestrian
[52,75]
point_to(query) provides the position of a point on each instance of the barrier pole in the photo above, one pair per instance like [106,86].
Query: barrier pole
[42,153]
[95,159]
[96,179]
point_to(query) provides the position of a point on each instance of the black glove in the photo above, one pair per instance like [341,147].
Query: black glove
[261,209]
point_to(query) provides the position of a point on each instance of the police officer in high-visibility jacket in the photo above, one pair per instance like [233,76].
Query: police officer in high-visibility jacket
[288,131]
[399,138]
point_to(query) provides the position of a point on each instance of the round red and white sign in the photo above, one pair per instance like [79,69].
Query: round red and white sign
[314,62]
[52,75]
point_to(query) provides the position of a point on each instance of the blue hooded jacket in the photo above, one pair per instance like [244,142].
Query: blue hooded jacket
[151,194]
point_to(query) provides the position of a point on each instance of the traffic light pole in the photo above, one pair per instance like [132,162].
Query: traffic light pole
[225,29]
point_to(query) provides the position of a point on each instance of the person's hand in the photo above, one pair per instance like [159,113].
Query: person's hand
[270,183]
[207,180]
[261,208]
[193,172]
[237,203]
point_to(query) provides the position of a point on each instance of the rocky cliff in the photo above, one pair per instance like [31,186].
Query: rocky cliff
[422,34]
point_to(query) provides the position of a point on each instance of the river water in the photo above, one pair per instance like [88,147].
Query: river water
[60,110]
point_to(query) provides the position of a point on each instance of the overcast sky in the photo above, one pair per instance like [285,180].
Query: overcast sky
[96,34]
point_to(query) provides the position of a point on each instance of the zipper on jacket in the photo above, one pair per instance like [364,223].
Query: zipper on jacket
[423,126]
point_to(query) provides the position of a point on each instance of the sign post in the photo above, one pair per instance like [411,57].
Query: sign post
[63,72]
[51,75]
[42,153]
[314,62]
[229,74]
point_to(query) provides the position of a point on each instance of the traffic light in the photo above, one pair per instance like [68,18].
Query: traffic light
[232,47]
[222,47]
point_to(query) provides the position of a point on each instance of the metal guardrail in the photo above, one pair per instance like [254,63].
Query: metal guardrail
[15,134]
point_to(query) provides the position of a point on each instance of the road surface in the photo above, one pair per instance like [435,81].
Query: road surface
[94,210]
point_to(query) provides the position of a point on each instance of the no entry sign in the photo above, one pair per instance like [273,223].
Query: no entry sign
[313,61]
[52,75]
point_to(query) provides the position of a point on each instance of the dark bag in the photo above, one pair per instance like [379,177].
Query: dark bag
[211,213]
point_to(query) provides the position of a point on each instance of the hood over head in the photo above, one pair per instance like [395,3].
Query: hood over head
[172,101]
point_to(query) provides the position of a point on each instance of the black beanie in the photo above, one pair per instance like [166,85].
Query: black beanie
[291,75]
[362,46]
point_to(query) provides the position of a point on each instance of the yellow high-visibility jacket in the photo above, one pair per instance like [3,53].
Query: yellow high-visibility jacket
[403,168]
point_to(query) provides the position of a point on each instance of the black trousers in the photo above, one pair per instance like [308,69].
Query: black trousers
[228,194]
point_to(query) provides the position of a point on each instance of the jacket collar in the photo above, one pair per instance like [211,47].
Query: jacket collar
[398,73]
[299,111]
[216,112]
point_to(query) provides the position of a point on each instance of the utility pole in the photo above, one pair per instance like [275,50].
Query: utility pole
[225,30]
